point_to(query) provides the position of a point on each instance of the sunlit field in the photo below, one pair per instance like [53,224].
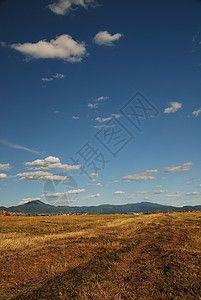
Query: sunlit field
[154,256]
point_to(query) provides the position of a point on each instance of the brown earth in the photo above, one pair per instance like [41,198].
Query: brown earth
[155,256]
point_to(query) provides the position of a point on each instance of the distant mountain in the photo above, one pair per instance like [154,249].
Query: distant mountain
[38,207]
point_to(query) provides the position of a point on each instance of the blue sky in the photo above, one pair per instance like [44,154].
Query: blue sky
[68,68]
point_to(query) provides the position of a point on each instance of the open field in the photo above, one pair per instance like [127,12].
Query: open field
[154,256]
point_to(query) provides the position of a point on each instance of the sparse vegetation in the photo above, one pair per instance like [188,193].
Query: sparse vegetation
[101,257]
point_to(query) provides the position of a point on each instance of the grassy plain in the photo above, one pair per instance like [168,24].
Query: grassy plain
[155,256]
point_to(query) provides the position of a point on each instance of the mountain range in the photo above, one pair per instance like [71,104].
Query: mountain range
[38,207]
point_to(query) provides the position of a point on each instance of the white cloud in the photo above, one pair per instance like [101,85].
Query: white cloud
[63,47]
[59,76]
[173,196]
[174,106]
[46,79]
[5,167]
[196,112]
[107,39]
[93,175]
[49,163]
[149,199]
[193,194]
[150,172]
[137,177]
[16,146]
[98,184]
[2,175]
[91,196]
[102,120]
[26,200]
[141,193]
[157,187]
[119,193]
[75,117]
[131,196]
[58,195]
[102,98]
[40,176]
[97,101]
[56,76]
[159,192]
[184,167]
[92,105]
[62,7]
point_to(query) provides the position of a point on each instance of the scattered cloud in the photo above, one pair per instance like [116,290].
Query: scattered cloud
[75,117]
[90,197]
[157,187]
[5,167]
[173,196]
[98,184]
[142,193]
[49,163]
[2,175]
[40,176]
[102,120]
[56,76]
[102,98]
[196,112]
[16,146]
[93,105]
[119,193]
[131,196]
[160,192]
[149,199]
[58,195]
[46,79]
[137,177]
[174,106]
[107,39]
[26,200]
[63,47]
[93,175]
[150,172]
[63,7]
[97,101]
[193,194]
[184,167]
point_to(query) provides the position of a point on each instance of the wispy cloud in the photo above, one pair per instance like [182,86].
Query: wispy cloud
[58,195]
[16,146]
[196,112]
[160,192]
[174,106]
[63,7]
[181,168]
[141,176]
[49,163]
[119,193]
[102,120]
[106,39]
[26,200]
[96,102]
[56,76]
[5,167]
[63,47]
[193,194]
[40,176]
[75,117]
[2,175]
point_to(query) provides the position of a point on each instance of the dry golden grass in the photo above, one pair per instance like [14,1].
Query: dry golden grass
[101,257]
